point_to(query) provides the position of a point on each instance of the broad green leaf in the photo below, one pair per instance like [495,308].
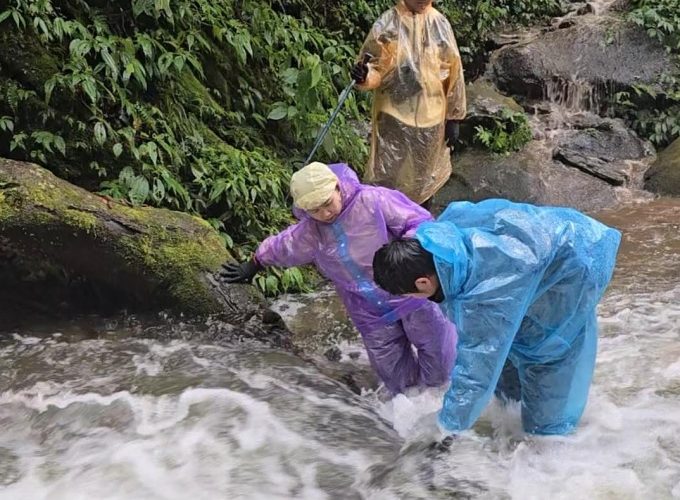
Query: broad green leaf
[139,190]
[60,144]
[100,133]
[49,87]
[108,59]
[90,89]
[126,175]
[7,124]
[316,75]
[272,283]
[158,192]
[278,113]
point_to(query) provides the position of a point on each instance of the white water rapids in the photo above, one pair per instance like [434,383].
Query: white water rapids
[91,410]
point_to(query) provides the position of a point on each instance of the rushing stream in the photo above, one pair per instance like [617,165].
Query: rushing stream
[108,409]
[114,408]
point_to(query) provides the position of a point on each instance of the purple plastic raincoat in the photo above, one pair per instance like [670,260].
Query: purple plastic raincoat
[343,251]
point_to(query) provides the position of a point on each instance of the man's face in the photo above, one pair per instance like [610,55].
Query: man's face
[427,287]
[418,6]
[330,210]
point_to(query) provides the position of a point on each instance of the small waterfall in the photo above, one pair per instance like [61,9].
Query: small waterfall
[577,95]
[599,7]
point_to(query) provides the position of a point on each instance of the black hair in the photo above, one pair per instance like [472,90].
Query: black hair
[397,266]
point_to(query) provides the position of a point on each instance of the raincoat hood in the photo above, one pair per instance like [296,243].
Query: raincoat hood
[349,184]
[522,284]
[403,9]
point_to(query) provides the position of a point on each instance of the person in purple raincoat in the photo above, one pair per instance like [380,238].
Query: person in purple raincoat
[341,225]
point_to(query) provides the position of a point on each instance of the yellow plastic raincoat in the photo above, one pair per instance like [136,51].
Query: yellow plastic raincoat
[417,76]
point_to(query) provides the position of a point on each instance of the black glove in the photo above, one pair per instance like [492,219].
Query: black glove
[359,71]
[451,132]
[233,272]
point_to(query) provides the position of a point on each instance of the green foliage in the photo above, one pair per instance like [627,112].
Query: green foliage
[474,21]
[661,20]
[509,133]
[275,280]
[178,103]
[197,105]
[655,111]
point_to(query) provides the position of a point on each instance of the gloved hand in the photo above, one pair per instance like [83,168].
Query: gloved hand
[233,272]
[451,132]
[359,71]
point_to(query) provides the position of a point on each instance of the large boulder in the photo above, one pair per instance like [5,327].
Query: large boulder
[485,106]
[581,65]
[62,246]
[664,175]
[583,168]
[607,150]
[530,175]
[485,101]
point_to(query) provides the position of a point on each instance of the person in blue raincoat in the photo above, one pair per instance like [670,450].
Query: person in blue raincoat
[522,284]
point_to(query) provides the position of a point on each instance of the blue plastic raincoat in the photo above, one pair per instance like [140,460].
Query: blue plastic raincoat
[342,251]
[521,283]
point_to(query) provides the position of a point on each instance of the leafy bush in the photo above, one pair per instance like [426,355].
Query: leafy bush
[510,132]
[661,20]
[197,105]
[174,102]
[656,115]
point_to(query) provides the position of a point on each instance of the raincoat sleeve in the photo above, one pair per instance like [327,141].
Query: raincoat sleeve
[294,246]
[391,356]
[383,50]
[456,105]
[504,271]
[435,339]
[402,215]
[488,324]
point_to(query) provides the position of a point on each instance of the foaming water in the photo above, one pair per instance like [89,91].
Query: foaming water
[628,443]
[111,414]
[92,420]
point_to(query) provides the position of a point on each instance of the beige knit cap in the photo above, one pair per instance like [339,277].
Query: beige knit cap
[312,185]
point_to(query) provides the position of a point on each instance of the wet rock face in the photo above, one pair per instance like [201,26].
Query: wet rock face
[603,152]
[64,250]
[485,106]
[664,175]
[530,176]
[593,59]
[485,101]
[565,76]
[318,321]
[579,168]
[319,327]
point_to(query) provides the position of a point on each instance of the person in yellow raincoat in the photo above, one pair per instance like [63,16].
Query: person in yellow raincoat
[417,75]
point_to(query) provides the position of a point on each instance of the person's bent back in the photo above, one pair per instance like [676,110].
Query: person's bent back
[341,225]
[522,284]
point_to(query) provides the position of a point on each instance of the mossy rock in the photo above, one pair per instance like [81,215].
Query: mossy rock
[485,101]
[486,106]
[138,257]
